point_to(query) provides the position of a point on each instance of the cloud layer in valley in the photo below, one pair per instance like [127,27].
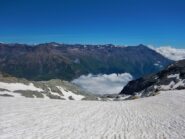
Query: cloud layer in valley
[170,52]
[103,83]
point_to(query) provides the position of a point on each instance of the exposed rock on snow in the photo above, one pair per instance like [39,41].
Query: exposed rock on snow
[53,89]
[172,78]
[19,86]
[68,95]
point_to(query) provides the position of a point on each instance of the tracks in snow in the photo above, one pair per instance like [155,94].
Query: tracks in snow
[159,117]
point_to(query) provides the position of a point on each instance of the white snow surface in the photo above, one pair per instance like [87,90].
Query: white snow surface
[172,85]
[10,93]
[167,87]
[68,94]
[11,87]
[19,86]
[177,76]
[158,64]
[53,93]
[158,117]
[103,83]
[170,52]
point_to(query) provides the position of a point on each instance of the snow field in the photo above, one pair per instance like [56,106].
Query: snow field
[158,117]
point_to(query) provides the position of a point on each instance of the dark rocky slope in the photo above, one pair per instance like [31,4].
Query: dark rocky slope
[173,77]
[62,61]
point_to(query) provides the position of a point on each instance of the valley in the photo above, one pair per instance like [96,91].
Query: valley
[93,105]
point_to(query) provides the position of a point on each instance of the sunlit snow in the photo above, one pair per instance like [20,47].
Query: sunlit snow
[158,117]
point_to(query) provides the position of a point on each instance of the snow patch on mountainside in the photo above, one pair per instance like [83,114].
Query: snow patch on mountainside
[158,117]
[30,90]
[158,64]
[174,76]
[14,89]
[19,86]
[103,83]
[170,52]
[9,93]
[53,93]
[173,85]
[68,95]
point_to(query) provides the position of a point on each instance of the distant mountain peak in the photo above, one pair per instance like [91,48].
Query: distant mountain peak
[142,45]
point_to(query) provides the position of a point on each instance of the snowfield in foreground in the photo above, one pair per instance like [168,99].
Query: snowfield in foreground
[158,117]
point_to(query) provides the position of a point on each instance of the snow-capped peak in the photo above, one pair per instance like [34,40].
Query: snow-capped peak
[170,52]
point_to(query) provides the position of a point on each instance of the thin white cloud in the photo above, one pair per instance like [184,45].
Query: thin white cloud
[103,83]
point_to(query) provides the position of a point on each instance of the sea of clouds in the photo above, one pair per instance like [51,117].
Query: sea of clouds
[169,52]
[103,83]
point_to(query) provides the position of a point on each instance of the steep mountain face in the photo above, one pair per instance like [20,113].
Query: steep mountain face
[172,78]
[52,89]
[52,60]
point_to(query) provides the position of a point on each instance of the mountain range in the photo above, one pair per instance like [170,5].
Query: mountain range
[23,69]
[67,62]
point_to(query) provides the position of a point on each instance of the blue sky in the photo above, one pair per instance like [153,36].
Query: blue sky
[124,22]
